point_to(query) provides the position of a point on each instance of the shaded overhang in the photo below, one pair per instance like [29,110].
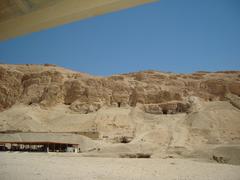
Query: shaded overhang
[41,138]
[19,17]
[35,142]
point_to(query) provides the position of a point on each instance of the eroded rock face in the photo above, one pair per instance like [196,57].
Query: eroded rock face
[10,87]
[167,108]
[234,100]
[85,108]
[153,109]
[159,92]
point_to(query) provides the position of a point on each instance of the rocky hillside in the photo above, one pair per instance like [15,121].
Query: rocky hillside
[162,114]
[159,92]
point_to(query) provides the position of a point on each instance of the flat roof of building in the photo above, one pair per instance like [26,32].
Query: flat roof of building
[41,138]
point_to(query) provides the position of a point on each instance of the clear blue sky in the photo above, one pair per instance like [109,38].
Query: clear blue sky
[171,35]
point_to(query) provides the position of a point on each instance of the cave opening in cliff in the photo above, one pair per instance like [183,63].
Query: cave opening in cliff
[119,104]
[165,111]
[67,103]
[124,140]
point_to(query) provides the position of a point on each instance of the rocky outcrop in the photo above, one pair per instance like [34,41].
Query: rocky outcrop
[84,108]
[234,100]
[158,92]
[10,87]
[167,108]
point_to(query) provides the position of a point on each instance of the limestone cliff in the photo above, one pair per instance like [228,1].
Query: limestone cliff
[48,85]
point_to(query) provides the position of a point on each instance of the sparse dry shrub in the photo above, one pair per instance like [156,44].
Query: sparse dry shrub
[219,159]
[122,139]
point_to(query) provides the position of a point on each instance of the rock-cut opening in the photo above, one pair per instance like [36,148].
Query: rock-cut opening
[119,104]
[165,111]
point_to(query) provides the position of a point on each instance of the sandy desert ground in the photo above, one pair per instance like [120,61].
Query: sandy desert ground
[33,166]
